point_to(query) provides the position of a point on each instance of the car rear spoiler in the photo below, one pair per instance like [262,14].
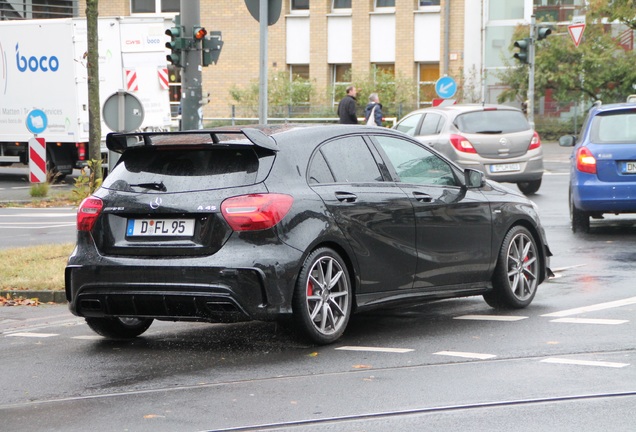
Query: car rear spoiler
[120,142]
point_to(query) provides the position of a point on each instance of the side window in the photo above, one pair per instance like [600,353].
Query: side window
[432,124]
[415,164]
[409,124]
[350,160]
[319,171]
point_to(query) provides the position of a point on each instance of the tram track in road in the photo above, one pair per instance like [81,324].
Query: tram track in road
[291,425]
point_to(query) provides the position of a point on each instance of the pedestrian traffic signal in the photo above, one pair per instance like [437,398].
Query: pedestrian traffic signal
[524,46]
[211,48]
[543,32]
[176,44]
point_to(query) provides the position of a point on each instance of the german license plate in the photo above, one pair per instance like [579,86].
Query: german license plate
[505,167]
[160,227]
[630,167]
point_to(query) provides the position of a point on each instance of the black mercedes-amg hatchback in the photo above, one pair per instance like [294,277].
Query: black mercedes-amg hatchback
[310,223]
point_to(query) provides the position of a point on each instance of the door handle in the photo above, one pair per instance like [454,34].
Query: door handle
[346,197]
[422,197]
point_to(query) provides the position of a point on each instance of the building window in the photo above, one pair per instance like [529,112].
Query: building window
[506,9]
[340,79]
[154,6]
[299,6]
[341,6]
[423,3]
[383,5]
[42,9]
[428,74]
[298,72]
[384,68]
[300,86]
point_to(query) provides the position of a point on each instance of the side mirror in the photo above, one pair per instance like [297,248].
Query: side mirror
[474,178]
[567,141]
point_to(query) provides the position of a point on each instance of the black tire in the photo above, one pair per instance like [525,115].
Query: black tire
[579,219]
[52,174]
[516,277]
[322,297]
[119,328]
[529,187]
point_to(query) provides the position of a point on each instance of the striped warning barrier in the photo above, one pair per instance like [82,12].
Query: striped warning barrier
[131,80]
[163,77]
[37,160]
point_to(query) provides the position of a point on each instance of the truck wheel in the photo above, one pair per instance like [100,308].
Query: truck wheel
[53,175]
[119,327]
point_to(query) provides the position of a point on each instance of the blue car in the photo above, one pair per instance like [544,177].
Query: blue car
[603,164]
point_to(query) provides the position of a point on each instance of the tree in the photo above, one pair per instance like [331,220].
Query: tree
[94,114]
[598,69]
[614,10]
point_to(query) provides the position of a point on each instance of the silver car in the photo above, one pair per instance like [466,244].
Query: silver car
[495,139]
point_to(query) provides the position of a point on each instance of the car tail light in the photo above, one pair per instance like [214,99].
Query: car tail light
[585,161]
[81,151]
[88,212]
[256,211]
[535,142]
[462,144]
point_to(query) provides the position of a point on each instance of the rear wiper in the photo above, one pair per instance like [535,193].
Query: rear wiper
[489,132]
[154,186]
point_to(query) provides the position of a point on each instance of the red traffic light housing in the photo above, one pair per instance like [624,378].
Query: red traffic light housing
[198,33]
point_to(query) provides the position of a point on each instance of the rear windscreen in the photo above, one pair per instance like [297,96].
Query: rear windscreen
[492,122]
[182,170]
[616,127]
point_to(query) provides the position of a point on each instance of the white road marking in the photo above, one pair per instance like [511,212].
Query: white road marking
[491,317]
[38,225]
[375,349]
[40,215]
[593,308]
[584,363]
[466,355]
[33,335]
[589,321]
[88,337]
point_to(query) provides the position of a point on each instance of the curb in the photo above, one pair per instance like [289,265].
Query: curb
[42,296]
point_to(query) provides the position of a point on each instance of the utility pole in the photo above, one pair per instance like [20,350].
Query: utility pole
[262,88]
[191,81]
[533,28]
[526,55]
[94,111]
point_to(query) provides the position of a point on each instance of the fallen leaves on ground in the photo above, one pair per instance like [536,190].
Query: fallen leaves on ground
[18,301]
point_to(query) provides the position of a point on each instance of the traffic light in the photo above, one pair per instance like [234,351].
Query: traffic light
[211,49]
[177,42]
[198,33]
[524,50]
[543,32]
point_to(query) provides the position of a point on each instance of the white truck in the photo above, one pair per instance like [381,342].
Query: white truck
[44,90]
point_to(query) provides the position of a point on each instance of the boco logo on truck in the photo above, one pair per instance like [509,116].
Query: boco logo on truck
[33,63]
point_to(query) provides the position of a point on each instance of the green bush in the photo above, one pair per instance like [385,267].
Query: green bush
[552,128]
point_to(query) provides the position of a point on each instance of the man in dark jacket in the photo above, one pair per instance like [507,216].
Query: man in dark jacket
[347,107]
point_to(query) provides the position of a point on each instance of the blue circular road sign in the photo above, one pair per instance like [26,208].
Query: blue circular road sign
[445,87]
[36,121]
